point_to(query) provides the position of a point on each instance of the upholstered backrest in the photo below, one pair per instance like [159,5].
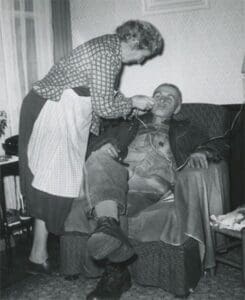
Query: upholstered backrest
[214,119]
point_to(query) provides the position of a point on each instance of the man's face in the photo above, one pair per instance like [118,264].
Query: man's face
[165,102]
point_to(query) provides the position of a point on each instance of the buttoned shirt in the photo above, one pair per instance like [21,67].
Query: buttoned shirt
[94,65]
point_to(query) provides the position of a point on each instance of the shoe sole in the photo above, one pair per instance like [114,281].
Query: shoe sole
[38,272]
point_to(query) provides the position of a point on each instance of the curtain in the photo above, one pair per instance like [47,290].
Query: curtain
[61,19]
[26,54]
[10,96]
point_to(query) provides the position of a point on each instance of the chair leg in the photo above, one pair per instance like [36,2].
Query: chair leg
[8,248]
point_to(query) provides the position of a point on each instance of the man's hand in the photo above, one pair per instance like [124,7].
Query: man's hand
[198,160]
[110,149]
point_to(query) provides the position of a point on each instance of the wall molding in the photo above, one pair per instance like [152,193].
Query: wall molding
[168,6]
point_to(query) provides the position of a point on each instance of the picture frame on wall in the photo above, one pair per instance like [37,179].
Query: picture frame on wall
[168,6]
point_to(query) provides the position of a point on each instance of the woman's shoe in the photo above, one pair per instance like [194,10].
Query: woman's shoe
[34,268]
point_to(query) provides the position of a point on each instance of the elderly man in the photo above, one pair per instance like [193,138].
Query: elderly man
[136,156]
[149,166]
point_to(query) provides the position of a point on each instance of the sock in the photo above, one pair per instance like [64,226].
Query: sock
[107,208]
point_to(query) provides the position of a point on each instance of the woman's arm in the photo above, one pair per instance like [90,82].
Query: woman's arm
[105,102]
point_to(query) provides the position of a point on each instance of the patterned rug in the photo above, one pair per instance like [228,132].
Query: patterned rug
[226,285]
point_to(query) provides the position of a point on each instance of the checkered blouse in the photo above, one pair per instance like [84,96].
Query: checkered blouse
[94,65]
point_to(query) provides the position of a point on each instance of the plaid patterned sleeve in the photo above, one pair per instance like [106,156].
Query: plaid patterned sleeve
[105,102]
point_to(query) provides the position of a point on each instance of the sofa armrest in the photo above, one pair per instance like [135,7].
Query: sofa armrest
[198,194]
[214,181]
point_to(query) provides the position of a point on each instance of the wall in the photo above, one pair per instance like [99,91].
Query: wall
[203,53]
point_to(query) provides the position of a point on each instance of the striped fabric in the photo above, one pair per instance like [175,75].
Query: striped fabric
[95,65]
[58,144]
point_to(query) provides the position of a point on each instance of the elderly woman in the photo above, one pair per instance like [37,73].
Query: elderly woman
[56,118]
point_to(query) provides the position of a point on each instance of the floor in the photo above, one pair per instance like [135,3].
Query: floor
[16,283]
[17,272]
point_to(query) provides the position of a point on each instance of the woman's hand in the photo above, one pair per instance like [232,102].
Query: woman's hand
[137,112]
[142,102]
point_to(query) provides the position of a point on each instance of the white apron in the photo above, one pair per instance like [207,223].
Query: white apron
[58,144]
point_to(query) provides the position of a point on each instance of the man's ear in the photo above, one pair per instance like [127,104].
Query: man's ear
[177,108]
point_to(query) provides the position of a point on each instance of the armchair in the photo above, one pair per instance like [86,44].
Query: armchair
[173,255]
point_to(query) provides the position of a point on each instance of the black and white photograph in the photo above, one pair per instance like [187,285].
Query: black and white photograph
[122,149]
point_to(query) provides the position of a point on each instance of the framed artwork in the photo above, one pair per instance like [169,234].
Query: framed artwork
[167,6]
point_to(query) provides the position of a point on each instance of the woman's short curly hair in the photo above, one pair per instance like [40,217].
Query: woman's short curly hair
[147,35]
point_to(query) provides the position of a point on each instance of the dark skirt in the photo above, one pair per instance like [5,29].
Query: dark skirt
[52,209]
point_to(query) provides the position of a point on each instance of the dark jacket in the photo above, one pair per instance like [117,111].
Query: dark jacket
[184,139]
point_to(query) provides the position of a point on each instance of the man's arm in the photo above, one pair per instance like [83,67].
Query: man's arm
[214,150]
[217,148]
[191,146]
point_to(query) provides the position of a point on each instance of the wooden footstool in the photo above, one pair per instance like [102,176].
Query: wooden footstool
[240,237]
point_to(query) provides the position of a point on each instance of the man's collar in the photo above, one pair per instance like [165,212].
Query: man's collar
[160,123]
[151,126]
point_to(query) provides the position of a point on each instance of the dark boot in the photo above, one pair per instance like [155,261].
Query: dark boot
[107,238]
[114,282]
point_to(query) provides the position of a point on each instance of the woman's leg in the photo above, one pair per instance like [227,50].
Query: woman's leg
[39,252]
[31,107]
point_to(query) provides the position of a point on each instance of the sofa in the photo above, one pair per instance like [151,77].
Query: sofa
[174,255]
